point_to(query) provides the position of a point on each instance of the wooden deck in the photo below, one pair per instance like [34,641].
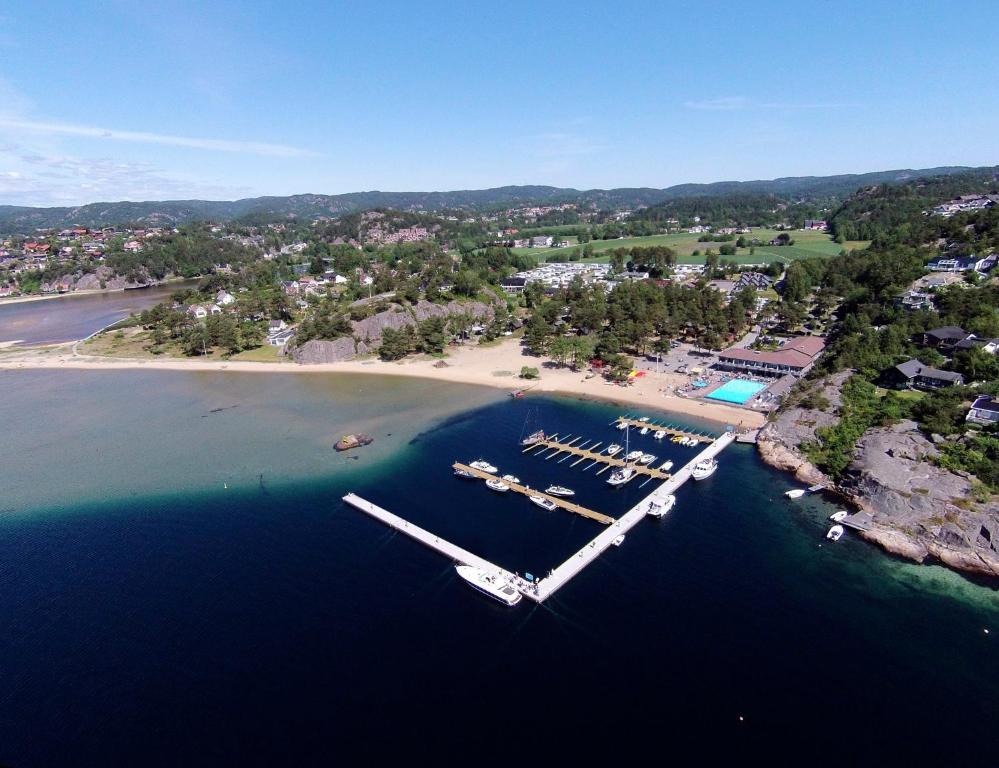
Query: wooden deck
[527,491]
[656,426]
[554,447]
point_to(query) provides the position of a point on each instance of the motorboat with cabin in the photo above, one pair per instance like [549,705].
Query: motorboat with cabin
[613,449]
[465,474]
[839,516]
[633,456]
[704,469]
[560,490]
[660,509]
[660,434]
[512,479]
[667,465]
[484,466]
[647,458]
[491,584]
[534,438]
[495,484]
[621,476]
[546,504]
[795,493]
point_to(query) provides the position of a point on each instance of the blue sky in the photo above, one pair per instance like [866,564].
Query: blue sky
[125,100]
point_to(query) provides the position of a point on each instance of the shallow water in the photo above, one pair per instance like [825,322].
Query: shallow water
[151,616]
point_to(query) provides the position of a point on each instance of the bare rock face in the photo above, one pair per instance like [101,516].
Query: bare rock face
[102,278]
[918,508]
[316,351]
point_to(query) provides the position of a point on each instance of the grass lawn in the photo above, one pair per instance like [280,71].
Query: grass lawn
[806,245]
[262,354]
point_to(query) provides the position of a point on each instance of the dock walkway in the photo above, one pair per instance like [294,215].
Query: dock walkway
[596,457]
[656,427]
[528,491]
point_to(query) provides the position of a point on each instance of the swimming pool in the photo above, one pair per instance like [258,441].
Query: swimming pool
[736,391]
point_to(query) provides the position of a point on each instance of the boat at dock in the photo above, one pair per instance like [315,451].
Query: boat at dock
[534,438]
[835,533]
[667,466]
[465,474]
[560,490]
[660,509]
[621,476]
[633,456]
[546,504]
[491,584]
[647,458]
[704,469]
[795,493]
[622,425]
[495,484]
[660,434]
[643,431]
[839,516]
[484,466]
[613,449]
[618,540]
[347,442]
[511,479]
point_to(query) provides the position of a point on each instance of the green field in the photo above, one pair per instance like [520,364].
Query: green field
[806,245]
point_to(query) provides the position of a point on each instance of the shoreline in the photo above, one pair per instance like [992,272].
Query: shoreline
[85,292]
[494,366]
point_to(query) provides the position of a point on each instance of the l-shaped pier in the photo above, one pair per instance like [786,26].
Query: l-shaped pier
[561,575]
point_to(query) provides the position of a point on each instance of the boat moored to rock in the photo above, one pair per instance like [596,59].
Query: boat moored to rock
[347,442]
[795,493]
[491,584]
[839,516]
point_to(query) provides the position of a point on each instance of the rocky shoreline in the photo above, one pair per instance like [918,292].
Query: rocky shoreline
[917,510]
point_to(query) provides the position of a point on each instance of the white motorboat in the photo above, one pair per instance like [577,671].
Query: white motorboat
[612,449]
[531,439]
[659,509]
[660,434]
[644,431]
[704,469]
[647,458]
[464,473]
[839,516]
[621,476]
[633,456]
[645,418]
[835,533]
[667,466]
[513,479]
[546,504]
[797,493]
[491,584]
[622,425]
[559,490]
[497,485]
[484,466]
[618,540]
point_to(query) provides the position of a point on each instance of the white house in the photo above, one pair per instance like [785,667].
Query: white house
[224,298]
[197,311]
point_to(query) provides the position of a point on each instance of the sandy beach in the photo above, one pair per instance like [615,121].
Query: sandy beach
[492,366]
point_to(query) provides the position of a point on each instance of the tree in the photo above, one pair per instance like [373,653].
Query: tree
[433,337]
[395,343]
[526,372]
[537,334]
[560,350]
[467,283]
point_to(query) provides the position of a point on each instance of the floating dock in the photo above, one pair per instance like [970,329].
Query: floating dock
[595,457]
[669,430]
[562,574]
[528,491]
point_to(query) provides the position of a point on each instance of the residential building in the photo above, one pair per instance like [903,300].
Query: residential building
[914,300]
[756,280]
[224,298]
[985,410]
[944,338]
[796,357]
[913,373]
[982,264]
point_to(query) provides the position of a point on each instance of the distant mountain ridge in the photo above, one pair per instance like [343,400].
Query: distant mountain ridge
[25,219]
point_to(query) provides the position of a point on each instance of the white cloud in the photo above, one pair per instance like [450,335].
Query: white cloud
[725,103]
[217,145]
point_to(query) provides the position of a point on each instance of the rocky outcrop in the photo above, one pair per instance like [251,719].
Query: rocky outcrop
[103,278]
[918,509]
[367,333]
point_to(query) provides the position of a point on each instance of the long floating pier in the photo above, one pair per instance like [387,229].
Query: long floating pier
[562,574]
[655,427]
[528,491]
[597,458]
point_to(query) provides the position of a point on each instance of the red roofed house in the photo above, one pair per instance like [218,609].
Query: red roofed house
[795,357]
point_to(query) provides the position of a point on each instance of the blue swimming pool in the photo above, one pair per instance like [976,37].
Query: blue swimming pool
[736,391]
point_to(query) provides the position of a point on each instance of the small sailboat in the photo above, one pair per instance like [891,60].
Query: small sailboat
[839,516]
[497,485]
[796,493]
[835,533]
[612,449]
[621,476]
[533,438]
[644,431]
[559,490]
[546,504]
[484,466]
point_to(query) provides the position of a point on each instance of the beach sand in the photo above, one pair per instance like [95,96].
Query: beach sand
[496,365]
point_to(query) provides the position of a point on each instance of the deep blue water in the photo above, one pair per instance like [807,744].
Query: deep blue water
[273,624]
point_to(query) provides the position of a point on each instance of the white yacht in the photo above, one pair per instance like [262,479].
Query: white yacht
[513,479]
[497,485]
[484,466]
[797,493]
[839,516]
[633,456]
[660,434]
[465,474]
[647,458]
[560,490]
[667,466]
[644,431]
[491,584]
[704,469]
[657,509]
[546,504]
[531,439]
[612,449]
[618,540]
[835,533]
[622,425]
[621,476]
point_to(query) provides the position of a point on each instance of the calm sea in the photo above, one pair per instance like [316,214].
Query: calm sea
[71,317]
[180,584]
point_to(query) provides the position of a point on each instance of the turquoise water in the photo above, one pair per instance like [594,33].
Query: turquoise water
[736,391]
[151,616]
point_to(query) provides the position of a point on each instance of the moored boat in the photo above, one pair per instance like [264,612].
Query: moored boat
[835,533]
[660,434]
[618,540]
[667,466]
[795,493]
[647,458]
[465,474]
[622,425]
[491,584]
[704,469]
[659,509]
[559,490]
[484,466]
[633,456]
[621,476]
[533,438]
[643,431]
[612,449]
[495,484]
[513,479]
[546,504]
[838,516]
